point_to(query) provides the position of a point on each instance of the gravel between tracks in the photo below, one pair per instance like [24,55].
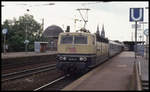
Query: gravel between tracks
[30,66]
[31,82]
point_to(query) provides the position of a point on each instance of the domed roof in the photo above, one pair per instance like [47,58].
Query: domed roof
[52,31]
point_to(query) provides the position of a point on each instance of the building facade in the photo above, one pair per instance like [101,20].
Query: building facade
[52,33]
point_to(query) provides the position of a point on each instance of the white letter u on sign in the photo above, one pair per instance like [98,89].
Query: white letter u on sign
[139,17]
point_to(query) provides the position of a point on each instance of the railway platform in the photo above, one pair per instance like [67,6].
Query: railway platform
[25,54]
[20,58]
[116,74]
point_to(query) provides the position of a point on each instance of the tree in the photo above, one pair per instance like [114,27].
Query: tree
[16,32]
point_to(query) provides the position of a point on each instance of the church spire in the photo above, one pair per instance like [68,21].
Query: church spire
[103,32]
[97,32]
[97,27]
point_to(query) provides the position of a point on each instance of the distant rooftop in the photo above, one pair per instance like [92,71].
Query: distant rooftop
[52,31]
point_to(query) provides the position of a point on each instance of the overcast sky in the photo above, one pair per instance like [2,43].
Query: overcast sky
[114,15]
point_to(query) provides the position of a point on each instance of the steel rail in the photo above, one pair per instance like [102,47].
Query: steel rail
[20,74]
[50,83]
[15,73]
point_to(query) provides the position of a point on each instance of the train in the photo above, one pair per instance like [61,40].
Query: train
[81,51]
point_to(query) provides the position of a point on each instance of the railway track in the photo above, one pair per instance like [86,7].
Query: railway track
[50,83]
[24,73]
[59,83]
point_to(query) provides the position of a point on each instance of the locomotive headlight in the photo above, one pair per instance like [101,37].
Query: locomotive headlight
[64,58]
[83,58]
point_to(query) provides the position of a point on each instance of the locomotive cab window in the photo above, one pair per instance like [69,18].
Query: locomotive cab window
[80,39]
[66,39]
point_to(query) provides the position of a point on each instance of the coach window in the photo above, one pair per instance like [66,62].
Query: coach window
[66,39]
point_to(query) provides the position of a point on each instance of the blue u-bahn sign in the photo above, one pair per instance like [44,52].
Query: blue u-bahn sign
[136,14]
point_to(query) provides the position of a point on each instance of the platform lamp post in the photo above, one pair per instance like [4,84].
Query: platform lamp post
[42,24]
[135,38]
[26,41]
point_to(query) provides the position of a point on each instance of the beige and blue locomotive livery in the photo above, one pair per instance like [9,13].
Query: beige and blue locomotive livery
[81,51]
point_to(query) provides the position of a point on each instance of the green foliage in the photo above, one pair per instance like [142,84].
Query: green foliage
[16,33]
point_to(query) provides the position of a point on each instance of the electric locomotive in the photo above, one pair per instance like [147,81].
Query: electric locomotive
[80,51]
